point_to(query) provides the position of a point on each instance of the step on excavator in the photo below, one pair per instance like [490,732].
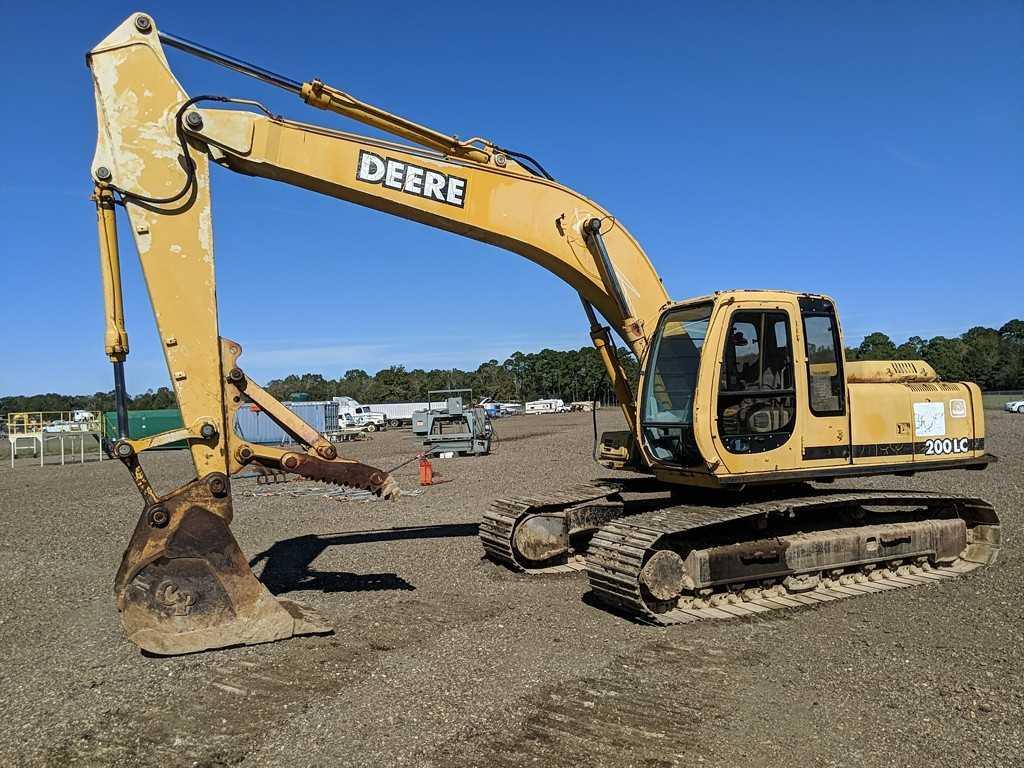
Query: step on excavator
[745,403]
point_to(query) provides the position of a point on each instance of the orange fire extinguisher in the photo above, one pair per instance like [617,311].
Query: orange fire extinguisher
[426,470]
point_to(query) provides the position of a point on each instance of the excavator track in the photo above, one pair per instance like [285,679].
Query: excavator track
[636,563]
[563,512]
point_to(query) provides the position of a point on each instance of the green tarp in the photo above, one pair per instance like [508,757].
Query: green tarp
[146,424]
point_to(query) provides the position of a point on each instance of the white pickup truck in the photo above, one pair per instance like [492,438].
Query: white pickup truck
[372,420]
[350,412]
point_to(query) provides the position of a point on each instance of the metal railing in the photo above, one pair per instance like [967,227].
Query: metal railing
[36,422]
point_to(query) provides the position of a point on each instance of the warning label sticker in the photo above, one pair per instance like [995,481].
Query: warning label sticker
[929,419]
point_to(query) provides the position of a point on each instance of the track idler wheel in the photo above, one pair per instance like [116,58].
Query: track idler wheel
[664,575]
[541,537]
[184,584]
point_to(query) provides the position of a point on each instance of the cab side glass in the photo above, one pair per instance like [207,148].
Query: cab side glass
[824,367]
[756,392]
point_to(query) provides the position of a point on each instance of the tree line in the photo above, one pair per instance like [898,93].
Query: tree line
[994,358]
[572,375]
[99,401]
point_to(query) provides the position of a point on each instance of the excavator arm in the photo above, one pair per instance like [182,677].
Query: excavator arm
[184,584]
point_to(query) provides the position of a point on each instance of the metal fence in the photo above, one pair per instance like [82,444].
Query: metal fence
[43,432]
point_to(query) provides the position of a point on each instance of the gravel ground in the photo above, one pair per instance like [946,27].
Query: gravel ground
[441,659]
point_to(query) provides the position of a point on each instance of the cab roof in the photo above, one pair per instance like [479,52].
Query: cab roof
[737,294]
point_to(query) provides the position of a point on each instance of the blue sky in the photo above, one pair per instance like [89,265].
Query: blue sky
[871,151]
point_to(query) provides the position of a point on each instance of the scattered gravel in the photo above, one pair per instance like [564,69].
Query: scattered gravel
[440,659]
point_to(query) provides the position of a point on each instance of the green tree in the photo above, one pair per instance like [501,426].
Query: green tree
[150,400]
[876,346]
[946,356]
[911,349]
[981,357]
[1012,332]
[1011,353]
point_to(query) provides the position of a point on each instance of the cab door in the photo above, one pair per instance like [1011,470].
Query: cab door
[755,392]
[825,435]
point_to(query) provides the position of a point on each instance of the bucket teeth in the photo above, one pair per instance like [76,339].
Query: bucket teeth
[348,473]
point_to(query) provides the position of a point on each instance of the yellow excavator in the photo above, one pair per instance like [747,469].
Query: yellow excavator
[745,398]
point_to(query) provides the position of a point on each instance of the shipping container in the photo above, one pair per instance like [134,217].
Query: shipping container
[254,426]
[146,423]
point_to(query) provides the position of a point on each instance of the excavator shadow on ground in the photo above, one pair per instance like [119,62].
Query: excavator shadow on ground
[288,563]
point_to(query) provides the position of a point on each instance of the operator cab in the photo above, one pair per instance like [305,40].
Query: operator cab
[750,344]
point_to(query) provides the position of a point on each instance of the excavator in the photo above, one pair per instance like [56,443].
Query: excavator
[745,405]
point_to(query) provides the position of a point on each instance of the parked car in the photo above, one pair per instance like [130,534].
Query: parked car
[1014,406]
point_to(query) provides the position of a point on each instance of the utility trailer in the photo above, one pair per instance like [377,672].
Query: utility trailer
[451,398]
[454,427]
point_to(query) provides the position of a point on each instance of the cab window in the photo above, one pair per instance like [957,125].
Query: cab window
[756,394]
[824,366]
[670,385]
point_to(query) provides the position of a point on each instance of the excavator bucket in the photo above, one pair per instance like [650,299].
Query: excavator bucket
[184,584]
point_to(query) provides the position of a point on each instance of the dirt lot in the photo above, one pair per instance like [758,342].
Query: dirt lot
[440,659]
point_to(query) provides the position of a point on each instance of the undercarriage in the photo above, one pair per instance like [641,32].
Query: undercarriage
[663,562]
